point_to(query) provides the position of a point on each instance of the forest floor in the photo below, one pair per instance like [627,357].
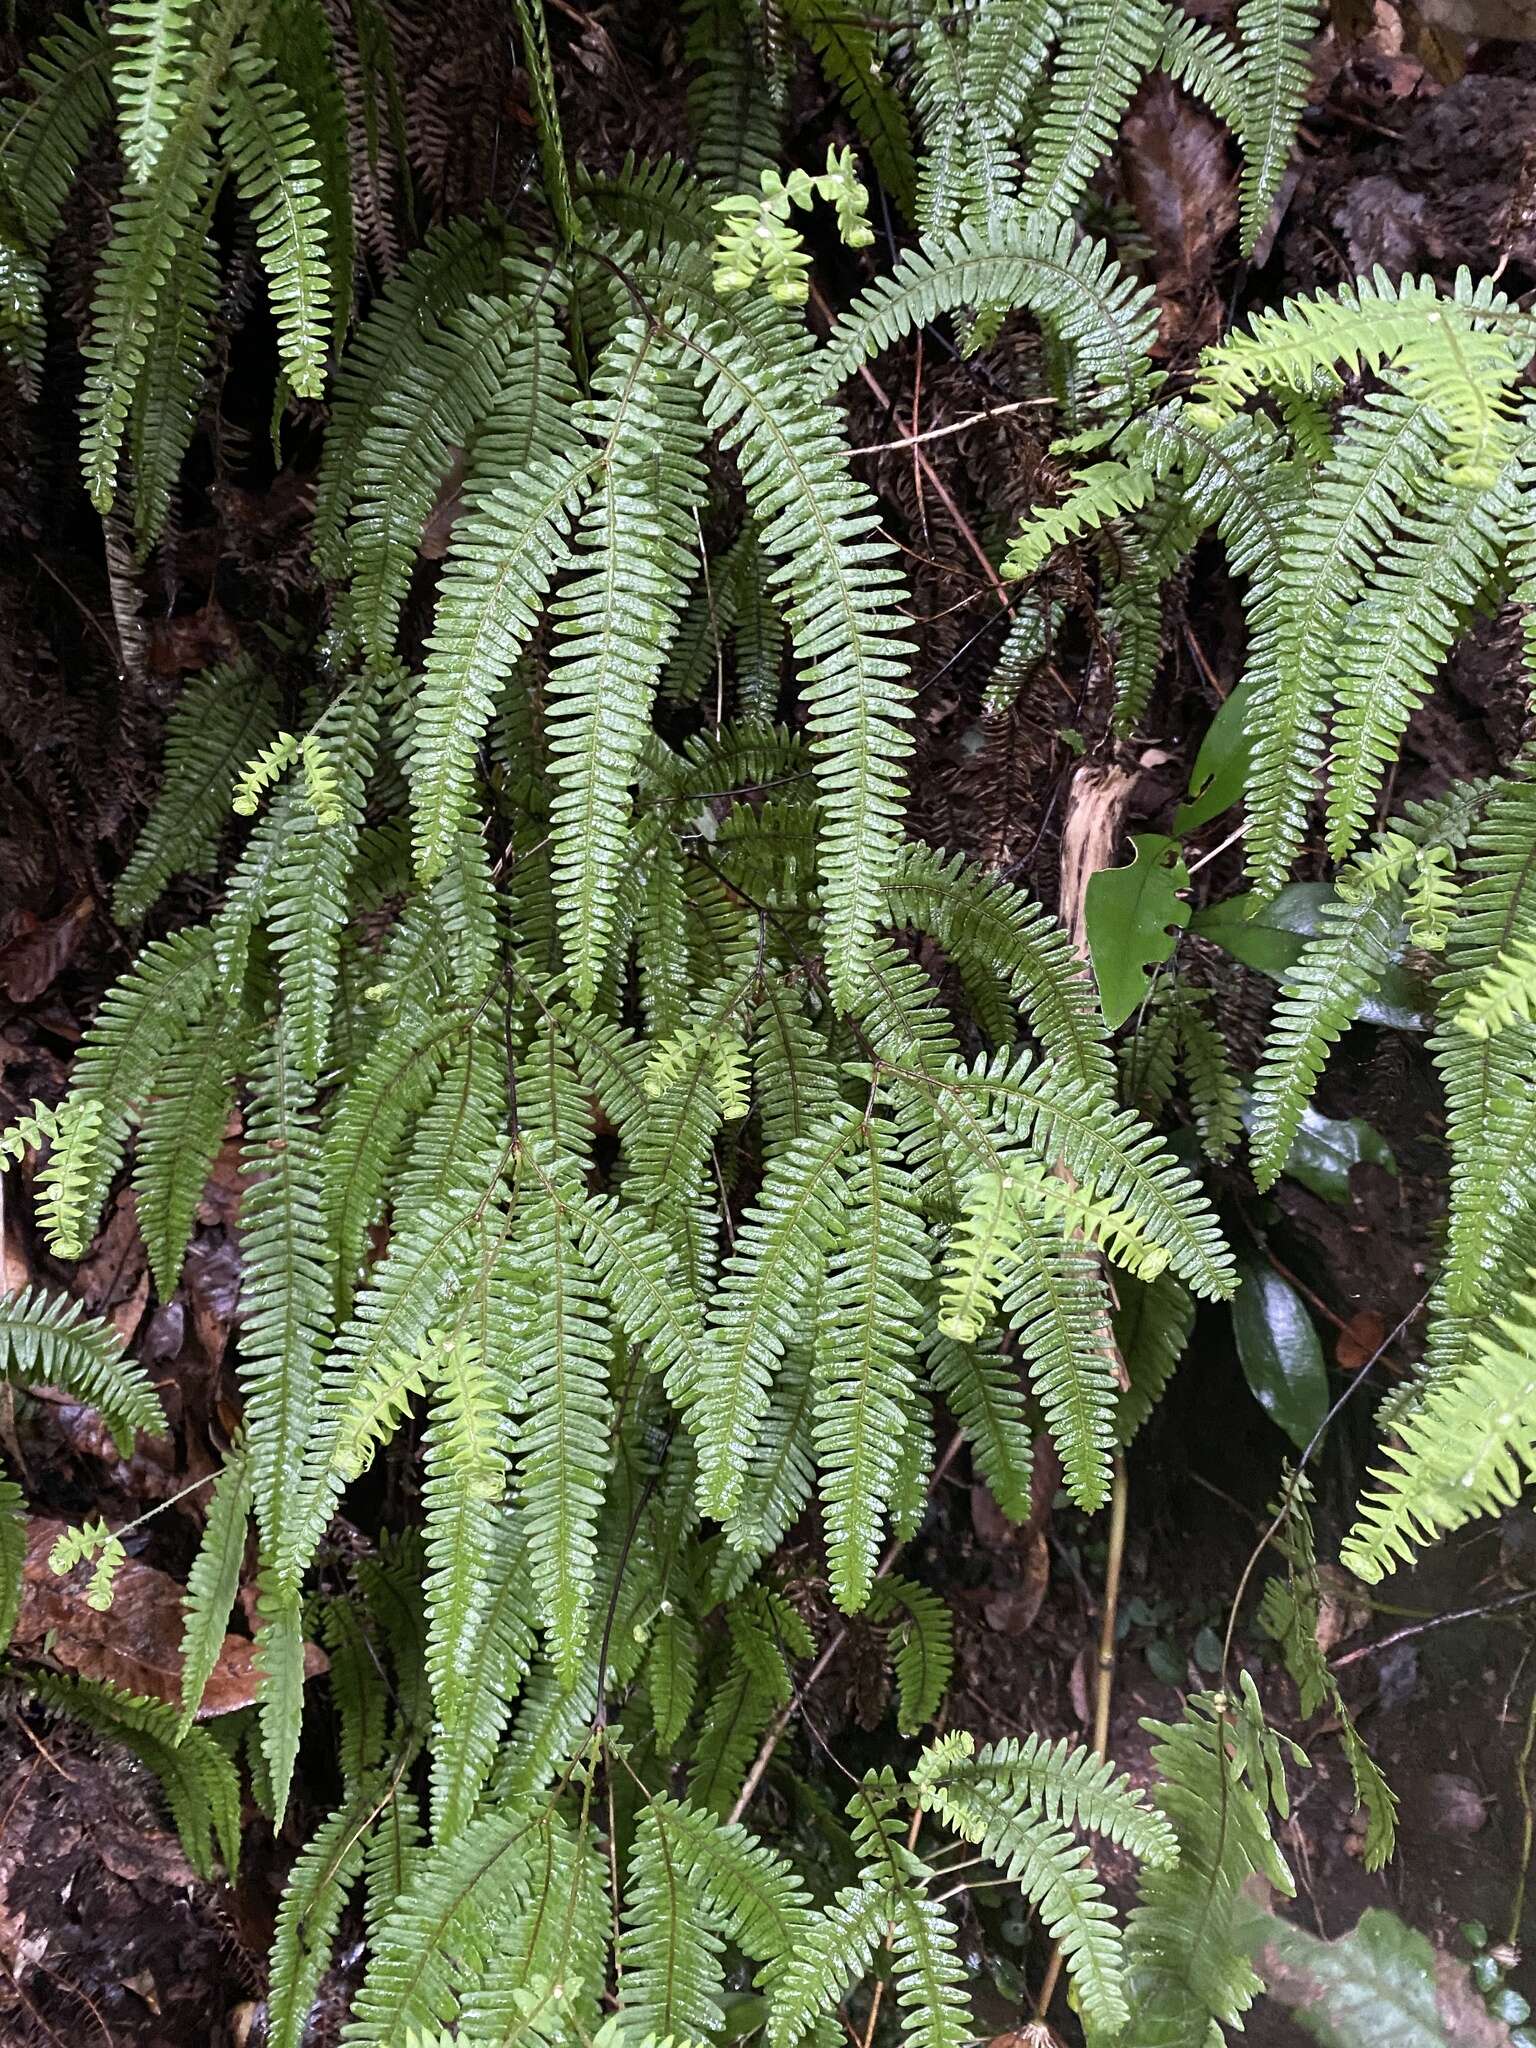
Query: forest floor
[105,1933]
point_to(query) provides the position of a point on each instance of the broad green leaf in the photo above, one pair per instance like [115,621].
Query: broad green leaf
[1134,916]
[1281,1357]
[1327,1147]
[1220,772]
[1269,936]
[1380,1986]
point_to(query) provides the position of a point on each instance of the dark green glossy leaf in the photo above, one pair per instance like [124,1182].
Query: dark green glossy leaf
[1281,1357]
[1376,1987]
[1221,767]
[1269,937]
[1134,917]
[1327,1147]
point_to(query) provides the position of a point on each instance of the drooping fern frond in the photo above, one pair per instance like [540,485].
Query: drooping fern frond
[212,1583]
[1274,38]
[49,1341]
[272,153]
[46,132]
[152,42]
[1107,48]
[1468,1449]
[849,49]
[183,1126]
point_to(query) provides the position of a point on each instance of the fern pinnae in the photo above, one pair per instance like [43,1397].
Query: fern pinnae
[46,134]
[325,1871]
[866,1339]
[48,1340]
[1107,47]
[781,1247]
[1274,38]
[213,1582]
[616,622]
[844,595]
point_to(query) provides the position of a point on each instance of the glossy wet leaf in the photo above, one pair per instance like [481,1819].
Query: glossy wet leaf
[1278,1347]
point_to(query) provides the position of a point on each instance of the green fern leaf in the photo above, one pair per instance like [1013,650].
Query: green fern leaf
[1274,38]
[212,1583]
[49,1341]
[47,133]
[1107,48]
[327,1868]
[153,43]
[182,1129]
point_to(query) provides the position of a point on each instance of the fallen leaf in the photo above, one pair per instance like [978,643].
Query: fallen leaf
[211,1277]
[37,953]
[1012,1609]
[1342,1609]
[1183,185]
[136,1643]
[1360,1340]
[116,1263]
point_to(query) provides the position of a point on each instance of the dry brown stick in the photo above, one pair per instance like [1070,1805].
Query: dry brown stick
[940,489]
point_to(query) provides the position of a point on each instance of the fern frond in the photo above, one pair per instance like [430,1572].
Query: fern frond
[170,389]
[866,1344]
[47,133]
[152,41]
[850,55]
[49,1341]
[1274,38]
[781,1249]
[986,1398]
[200,1784]
[844,595]
[1468,1449]
[271,151]
[13,1556]
[213,1582]
[1506,994]
[1098,316]
[923,1639]
[1013,1826]
[615,624]
[1107,48]
[280,1666]
[287,1294]
[504,555]
[325,1871]
[71,1133]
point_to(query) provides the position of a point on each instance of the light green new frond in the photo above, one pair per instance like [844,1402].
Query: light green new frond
[1274,38]
[270,149]
[200,1783]
[781,1250]
[563,1450]
[1057,1305]
[49,1341]
[152,43]
[976,916]
[313,871]
[287,1294]
[866,1348]
[1398,635]
[850,55]
[1468,1449]
[922,1639]
[327,1867]
[1390,445]
[1057,1781]
[1319,998]
[1096,314]
[819,525]
[1187,1965]
[615,622]
[439,1934]
[1014,1831]
[143,1017]
[1107,48]
[213,1582]
[404,322]
[47,132]
[984,1393]
[1505,995]
[1103,491]
[504,556]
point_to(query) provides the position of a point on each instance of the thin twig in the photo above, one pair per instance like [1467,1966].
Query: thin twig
[974,419]
[1423,1628]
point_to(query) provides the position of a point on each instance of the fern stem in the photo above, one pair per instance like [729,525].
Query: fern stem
[1104,1669]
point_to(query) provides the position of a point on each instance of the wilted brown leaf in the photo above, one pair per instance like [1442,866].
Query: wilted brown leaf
[136,1644]
[1181,181]
[1012,1609]
[38,951]
[1360,1340]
